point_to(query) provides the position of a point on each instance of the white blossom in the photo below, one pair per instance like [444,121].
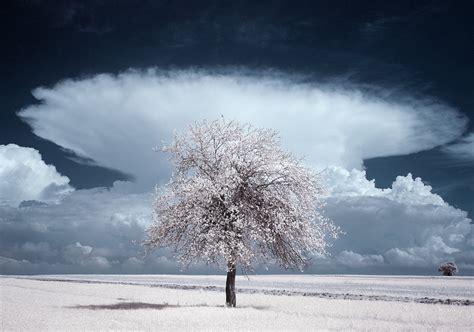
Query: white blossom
[237,198]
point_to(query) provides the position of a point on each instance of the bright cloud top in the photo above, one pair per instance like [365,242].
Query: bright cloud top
[341,182]
[117,120]
[25,176]
[405,226]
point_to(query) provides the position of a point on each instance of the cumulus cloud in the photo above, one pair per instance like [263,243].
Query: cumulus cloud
[395,229]
[123,117]
[341,182]
[25,176]
[463,149]
[99,230]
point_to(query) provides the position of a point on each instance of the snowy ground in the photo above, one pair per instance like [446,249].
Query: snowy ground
[302,302]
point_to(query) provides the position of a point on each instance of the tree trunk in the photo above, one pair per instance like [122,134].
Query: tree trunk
[230,286]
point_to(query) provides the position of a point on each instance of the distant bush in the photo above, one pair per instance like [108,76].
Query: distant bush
[448,269]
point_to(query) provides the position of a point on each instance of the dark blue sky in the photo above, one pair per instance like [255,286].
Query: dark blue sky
[419,48]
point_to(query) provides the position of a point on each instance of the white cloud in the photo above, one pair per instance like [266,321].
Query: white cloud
[405,189]
[397,228]
[100,230]
[25,176]
[341,182]
[463,149]
[123,117]
[413,192]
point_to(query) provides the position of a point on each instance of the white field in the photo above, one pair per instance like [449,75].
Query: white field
[167,302]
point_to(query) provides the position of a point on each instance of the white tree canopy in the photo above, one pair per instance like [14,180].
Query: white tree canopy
[237,198]
[448,268]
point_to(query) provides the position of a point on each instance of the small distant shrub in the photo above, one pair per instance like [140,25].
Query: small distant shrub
[448,269]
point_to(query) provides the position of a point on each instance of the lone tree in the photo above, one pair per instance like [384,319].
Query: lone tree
[448,269]
[236,198]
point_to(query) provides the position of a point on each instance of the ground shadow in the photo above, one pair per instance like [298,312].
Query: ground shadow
[143,305]
[124,306]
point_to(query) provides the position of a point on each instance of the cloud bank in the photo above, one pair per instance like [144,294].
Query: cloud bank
[405,228]
[402,229]
[25,176]
[89,231]
[123,117]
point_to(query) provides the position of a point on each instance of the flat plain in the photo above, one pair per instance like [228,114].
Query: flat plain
[264,302]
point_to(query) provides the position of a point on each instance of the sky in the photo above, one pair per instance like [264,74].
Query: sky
[375,95]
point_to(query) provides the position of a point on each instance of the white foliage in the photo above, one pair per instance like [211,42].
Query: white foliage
[448,268]
[236,197]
